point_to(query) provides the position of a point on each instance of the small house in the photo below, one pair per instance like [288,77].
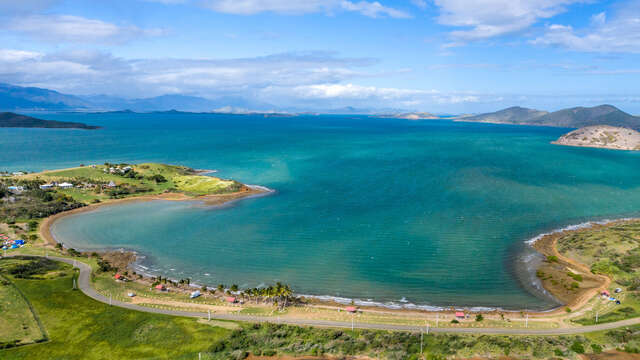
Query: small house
[160,287]
[15,189]
[194,294]
[111,184]
[46,186]
[65,185]
[351,309]
[231,300]
[459,315]
[17,173]
[605,293]
[117,277]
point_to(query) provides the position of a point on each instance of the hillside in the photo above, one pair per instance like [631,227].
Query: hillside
[12,120]
[602,136]
[513,115]
[18,97]
[572,118]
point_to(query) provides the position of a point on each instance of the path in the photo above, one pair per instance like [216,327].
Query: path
[84,285]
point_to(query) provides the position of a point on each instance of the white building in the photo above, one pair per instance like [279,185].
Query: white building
[65,185]
[15,189]
[46,186]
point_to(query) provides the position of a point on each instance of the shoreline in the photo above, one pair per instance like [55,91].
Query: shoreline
[544,243]
[210,200]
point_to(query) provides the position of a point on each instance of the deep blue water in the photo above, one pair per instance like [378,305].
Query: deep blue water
[435,212]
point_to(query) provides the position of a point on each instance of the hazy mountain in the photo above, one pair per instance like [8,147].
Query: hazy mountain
[12,120]
[32,98]
[572,118]
[512,115]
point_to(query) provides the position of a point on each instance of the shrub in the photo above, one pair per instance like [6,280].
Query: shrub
[597,349]
[577,347]
[479,317]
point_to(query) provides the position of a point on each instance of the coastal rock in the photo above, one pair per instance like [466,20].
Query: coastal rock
[602,136]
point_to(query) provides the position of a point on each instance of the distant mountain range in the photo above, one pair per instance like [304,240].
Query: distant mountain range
[576,117]
[18,98]
[11,120]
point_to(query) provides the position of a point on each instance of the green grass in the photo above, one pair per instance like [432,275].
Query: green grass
[82,328]
[178,178]
[612,250]
[18,322]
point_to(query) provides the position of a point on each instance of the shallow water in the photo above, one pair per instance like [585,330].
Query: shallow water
[431,213]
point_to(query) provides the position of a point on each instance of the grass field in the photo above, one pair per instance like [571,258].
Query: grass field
[175,178]
[613,250]
[19,325]
[82,328]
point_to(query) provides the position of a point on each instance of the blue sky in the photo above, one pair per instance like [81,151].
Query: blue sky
[430,55]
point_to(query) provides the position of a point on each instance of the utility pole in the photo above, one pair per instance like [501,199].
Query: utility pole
[110,300]
[74,283]
[597,316]
[421,333]
[209,313]
[526,322]
[437,319]
[352,320]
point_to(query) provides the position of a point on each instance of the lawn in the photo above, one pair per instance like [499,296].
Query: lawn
[82,328]
[19,326]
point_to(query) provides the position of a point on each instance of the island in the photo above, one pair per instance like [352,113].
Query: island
[602,136]
[576,117]
[13,120]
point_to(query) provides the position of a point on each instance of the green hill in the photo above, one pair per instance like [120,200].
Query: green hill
[576,117]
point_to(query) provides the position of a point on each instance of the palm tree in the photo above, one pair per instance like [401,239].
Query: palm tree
[221,288]
[234,288]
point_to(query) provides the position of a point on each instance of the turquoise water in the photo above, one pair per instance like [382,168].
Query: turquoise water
[431,213]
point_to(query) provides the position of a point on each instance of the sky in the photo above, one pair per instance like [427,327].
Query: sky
[442,56]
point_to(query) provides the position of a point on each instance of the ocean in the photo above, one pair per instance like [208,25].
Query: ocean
[426,214]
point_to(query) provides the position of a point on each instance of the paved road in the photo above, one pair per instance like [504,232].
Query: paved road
[85,286]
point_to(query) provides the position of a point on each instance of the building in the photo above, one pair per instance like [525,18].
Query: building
[111,184]
[15,189]
[65,185]
[17,173]
[459,315]
[46,186]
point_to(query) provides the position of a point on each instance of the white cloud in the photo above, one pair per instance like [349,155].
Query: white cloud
[292,7]
[483,19]
[617,34]
[351,91]
[68,28]
[13,56]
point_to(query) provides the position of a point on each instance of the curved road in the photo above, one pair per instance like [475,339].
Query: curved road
[85,286]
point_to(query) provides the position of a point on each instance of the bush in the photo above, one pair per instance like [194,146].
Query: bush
[597,349]
[479,317]
[552,258]
[577,347]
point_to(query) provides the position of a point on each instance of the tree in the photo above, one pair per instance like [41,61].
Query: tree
[479,317]
[234,288]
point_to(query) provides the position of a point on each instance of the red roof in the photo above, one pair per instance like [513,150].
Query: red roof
[605,292]
[118,276]
[159,286]
[351,309]
[459,314]
[230,299]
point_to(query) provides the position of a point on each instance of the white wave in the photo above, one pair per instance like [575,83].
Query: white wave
[584,225]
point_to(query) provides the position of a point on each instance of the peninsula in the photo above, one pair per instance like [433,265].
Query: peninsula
[13,120]
[602,136]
